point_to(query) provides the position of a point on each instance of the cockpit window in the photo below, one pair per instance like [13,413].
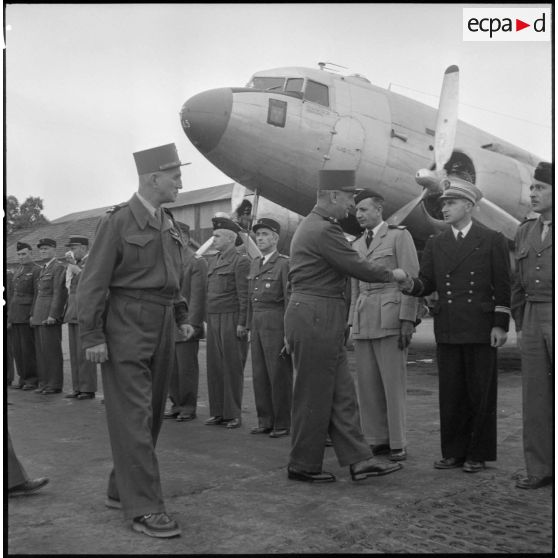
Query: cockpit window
[317,93]
[269,83]
[294,85]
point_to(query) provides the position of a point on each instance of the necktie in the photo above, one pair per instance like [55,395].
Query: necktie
[262,261]
[460,237]
[545,229]
[369,237]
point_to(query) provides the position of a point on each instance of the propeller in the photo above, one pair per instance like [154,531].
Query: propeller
[494,217]
[444,140]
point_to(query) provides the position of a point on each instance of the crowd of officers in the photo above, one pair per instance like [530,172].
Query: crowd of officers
[145,299]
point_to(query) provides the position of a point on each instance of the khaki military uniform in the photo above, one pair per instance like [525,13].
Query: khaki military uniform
[50,300]
[532,296]
[324,398]
[227,303]
[136,260]
[272,373]
[183,389]
[84,372]
[375,315]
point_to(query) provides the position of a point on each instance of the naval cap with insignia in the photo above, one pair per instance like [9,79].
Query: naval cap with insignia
[78,240]
[543,173]
[22,246]
[225,223]
[457,188]
[366,193]
[156,159]
[343,180]
[267,223]
[46,242]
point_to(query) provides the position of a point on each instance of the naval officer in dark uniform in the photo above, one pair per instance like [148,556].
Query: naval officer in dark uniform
[23,287]
[468,265]
[324,399]
[532,296]
[46,317]
[272,369]
[227,336]
[128,300]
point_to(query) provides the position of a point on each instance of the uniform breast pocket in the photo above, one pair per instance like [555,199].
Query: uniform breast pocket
[140,250]
[225,281]
[45,283]
[384,257]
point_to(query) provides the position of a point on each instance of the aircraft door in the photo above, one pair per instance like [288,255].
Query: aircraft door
[346,146]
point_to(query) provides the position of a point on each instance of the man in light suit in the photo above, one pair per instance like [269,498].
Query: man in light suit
[383,321]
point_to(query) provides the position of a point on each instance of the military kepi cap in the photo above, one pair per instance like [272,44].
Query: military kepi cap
[156,159]
[22,246]
[343,180]
[543,172]
[457,188]
[363,194]
[46,242]
[225,223]
[82,240]
[266,223]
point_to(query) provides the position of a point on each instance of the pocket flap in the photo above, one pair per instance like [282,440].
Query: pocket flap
[138,239]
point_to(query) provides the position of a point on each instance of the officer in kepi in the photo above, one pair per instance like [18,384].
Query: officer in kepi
[272,370]
[136,260]
[532,297]
[324,398]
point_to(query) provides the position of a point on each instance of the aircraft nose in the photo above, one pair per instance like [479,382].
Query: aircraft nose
[205,116]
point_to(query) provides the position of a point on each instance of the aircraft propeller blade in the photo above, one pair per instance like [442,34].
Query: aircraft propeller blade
[402,213]
[446,121]
[494,217]
[237,195]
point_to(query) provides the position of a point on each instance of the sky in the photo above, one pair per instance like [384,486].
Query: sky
[86,85]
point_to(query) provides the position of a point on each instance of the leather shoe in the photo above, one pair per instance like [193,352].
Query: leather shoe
[398,455]
[40,389]
[448,463]
[380,449]
[532,482]
[214,420]
[260,430]
[156,525]
[28,487]
[170,415]
[372,468]
[279,433]
[304,476]
[29,387]
[50,391]
[113,503]
[473,466]
[86,395]
[71,395]
[184,417]
[233,423]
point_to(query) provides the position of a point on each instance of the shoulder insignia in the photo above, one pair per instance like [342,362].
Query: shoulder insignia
[400,227]
[115,208]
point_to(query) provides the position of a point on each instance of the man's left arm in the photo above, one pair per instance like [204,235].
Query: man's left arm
[241,272]
[501,282]
[59,295]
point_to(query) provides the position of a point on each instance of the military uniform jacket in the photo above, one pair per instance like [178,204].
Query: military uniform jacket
[321,258]
[377,308]
[131,251]
[71,313]
[472,281]
[227,284]
[23,286]
[268,284]
[533,258]
[51,293]
[194,290]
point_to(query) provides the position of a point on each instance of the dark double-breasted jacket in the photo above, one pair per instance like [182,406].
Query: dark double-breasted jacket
[472,280]
[51,293]
[23,286]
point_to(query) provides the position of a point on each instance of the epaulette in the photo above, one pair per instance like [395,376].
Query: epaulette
[115,208]
[400,227]
[283,256]
[332,220]
[527,221]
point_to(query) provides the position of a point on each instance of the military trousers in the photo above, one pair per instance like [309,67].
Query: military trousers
[272,374]
[23,346]
[140,342]
[48,345]
[468,383]
[537,364]
[382,390]
[16,472]
[226,357]
[184,382]
[10,372]
[324,396]
[84,372]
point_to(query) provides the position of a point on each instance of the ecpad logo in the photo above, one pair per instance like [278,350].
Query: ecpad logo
[506,24]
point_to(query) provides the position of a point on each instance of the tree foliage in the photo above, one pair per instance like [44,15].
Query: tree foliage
[24,216]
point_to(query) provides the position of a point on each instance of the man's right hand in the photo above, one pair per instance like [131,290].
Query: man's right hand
[98,353]
[404,281]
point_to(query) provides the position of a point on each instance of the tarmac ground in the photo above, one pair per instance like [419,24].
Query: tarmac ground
[229,490]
